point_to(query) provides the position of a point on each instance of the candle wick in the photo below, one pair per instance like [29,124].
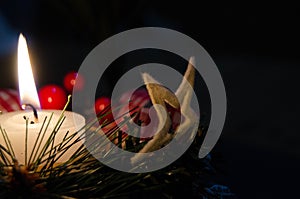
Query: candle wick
[33,109]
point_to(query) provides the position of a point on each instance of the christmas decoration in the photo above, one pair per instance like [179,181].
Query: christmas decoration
[52,97]
[162,96]
[83,176]
[101,104]
[9,100]
[70,79]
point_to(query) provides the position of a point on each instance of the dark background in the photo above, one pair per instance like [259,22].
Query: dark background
[255,47]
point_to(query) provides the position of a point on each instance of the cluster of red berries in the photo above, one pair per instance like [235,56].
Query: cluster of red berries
[53,96]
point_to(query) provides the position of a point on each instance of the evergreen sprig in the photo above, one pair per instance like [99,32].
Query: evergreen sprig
[83,176]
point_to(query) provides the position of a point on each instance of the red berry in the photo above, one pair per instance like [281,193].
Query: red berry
[52,97]
[101,104]
[70,79]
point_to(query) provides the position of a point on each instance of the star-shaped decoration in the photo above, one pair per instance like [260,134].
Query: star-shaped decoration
[161,96]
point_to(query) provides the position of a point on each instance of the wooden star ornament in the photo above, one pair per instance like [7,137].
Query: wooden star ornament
[161,96]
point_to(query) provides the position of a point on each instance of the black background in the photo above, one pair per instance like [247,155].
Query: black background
[254,45]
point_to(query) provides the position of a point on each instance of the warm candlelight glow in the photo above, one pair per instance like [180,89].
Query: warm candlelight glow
[26,130]
[27,88]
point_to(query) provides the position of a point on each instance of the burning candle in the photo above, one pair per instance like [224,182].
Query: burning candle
[24,143]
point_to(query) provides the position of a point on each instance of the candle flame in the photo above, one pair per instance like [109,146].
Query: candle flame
[27,88]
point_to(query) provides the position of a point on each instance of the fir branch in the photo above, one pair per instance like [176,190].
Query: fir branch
[83,176]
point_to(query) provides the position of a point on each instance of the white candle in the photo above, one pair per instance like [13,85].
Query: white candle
[15,124]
